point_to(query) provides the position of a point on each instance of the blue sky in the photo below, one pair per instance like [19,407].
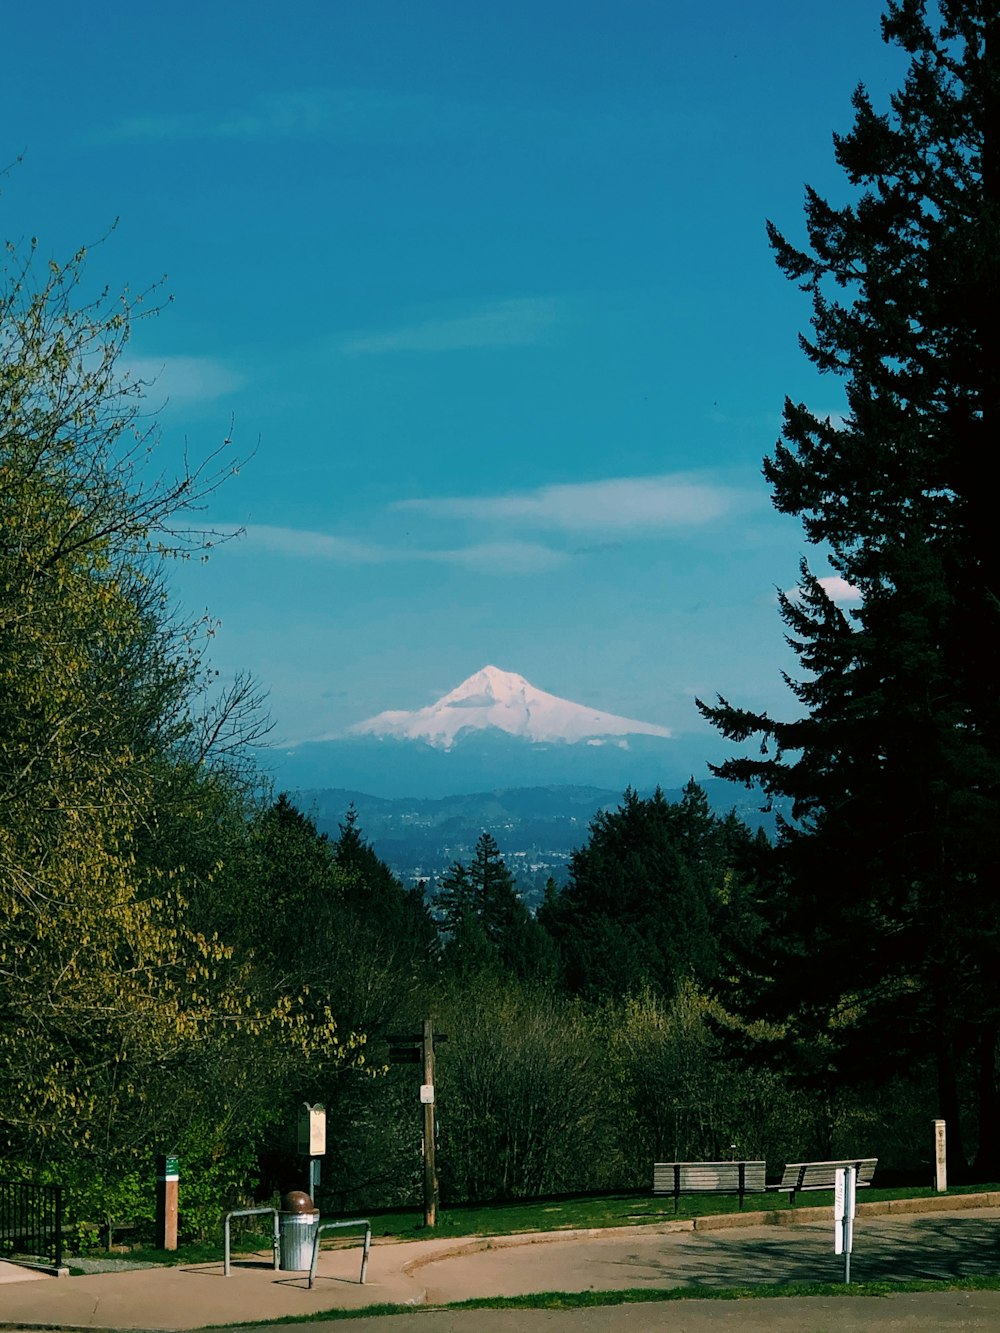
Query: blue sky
[485,291]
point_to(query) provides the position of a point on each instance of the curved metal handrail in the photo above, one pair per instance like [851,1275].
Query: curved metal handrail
[331,1226]
[250,1212]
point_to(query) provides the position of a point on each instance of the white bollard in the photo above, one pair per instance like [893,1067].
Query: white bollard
[940,1157]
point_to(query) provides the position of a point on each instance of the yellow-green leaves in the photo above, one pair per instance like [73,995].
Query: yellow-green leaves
[123,1027]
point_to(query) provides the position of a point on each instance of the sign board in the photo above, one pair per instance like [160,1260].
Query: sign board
[405,1055]
[311,1137]
[427,1094]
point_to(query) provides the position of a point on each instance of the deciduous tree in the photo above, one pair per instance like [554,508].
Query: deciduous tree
[123,1027]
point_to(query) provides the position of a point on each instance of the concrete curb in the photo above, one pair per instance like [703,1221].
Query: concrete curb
[789,1217]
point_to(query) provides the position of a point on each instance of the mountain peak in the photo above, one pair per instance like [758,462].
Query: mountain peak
[495,700]
[489,683]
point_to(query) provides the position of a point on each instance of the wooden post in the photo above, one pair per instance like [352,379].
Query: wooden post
[166,1201]
[427,1098]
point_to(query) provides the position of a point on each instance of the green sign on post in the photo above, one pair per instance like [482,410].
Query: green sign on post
[167,1174]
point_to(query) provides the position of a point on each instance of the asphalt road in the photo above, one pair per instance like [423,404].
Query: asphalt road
[937,1312]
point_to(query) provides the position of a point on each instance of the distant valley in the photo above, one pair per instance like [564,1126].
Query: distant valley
[536,828]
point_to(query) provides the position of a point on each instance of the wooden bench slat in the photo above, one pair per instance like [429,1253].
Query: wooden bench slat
[727,1177]
[823,1175]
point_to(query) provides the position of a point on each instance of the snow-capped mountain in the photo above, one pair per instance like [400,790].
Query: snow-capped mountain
[492,700]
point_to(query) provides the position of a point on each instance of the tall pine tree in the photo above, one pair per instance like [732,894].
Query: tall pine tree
[887,925]
[485,922]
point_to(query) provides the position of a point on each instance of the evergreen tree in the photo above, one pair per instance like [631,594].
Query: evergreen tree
[392,919]
[887,922]
[649,896]
[484,921]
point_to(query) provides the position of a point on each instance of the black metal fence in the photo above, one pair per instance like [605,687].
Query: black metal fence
[31,1220]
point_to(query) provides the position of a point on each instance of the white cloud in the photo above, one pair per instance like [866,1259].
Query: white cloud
[514,323]
[184,379]
[839,590]
[617,504]
[488,557]
[836,588]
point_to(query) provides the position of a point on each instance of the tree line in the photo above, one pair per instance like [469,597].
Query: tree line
[184,959]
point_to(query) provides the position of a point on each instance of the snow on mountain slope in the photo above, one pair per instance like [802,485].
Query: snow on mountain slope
[492,699]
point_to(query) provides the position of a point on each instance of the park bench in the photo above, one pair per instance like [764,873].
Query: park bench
[822,1175]
[679,1178]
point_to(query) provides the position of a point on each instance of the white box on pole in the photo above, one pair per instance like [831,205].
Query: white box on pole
[844,1208]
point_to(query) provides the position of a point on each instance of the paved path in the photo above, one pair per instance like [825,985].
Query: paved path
[936,1244]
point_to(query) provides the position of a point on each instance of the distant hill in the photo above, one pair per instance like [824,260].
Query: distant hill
[536,828]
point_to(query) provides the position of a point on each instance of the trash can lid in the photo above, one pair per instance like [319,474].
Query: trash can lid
[297,1201]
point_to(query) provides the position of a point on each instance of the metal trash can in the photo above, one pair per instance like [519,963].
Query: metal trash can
[299,1221]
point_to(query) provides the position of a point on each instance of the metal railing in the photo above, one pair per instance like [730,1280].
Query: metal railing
[250,1212]
[31,1220]
[331,1226]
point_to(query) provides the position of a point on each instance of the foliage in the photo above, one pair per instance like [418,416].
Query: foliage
[517,1079]
[678,1097]
[330,920]
[125,1029]
[887,922]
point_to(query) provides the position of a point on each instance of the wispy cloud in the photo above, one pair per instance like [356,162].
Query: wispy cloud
[349,113]
[618,508]
[514,323]
[618,504]
[365,116]
[183,380]
[313,545]
[500,558]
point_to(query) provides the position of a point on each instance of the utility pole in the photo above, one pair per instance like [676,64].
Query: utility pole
[427,1098]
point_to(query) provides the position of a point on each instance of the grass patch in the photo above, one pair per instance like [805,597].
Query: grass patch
[613,1210]
[188,1252]
[553,1214]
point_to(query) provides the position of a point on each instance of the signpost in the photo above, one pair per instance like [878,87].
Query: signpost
[420,1050]
[167,1174]
[430,1135]
[311,1140]
[844,1207]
